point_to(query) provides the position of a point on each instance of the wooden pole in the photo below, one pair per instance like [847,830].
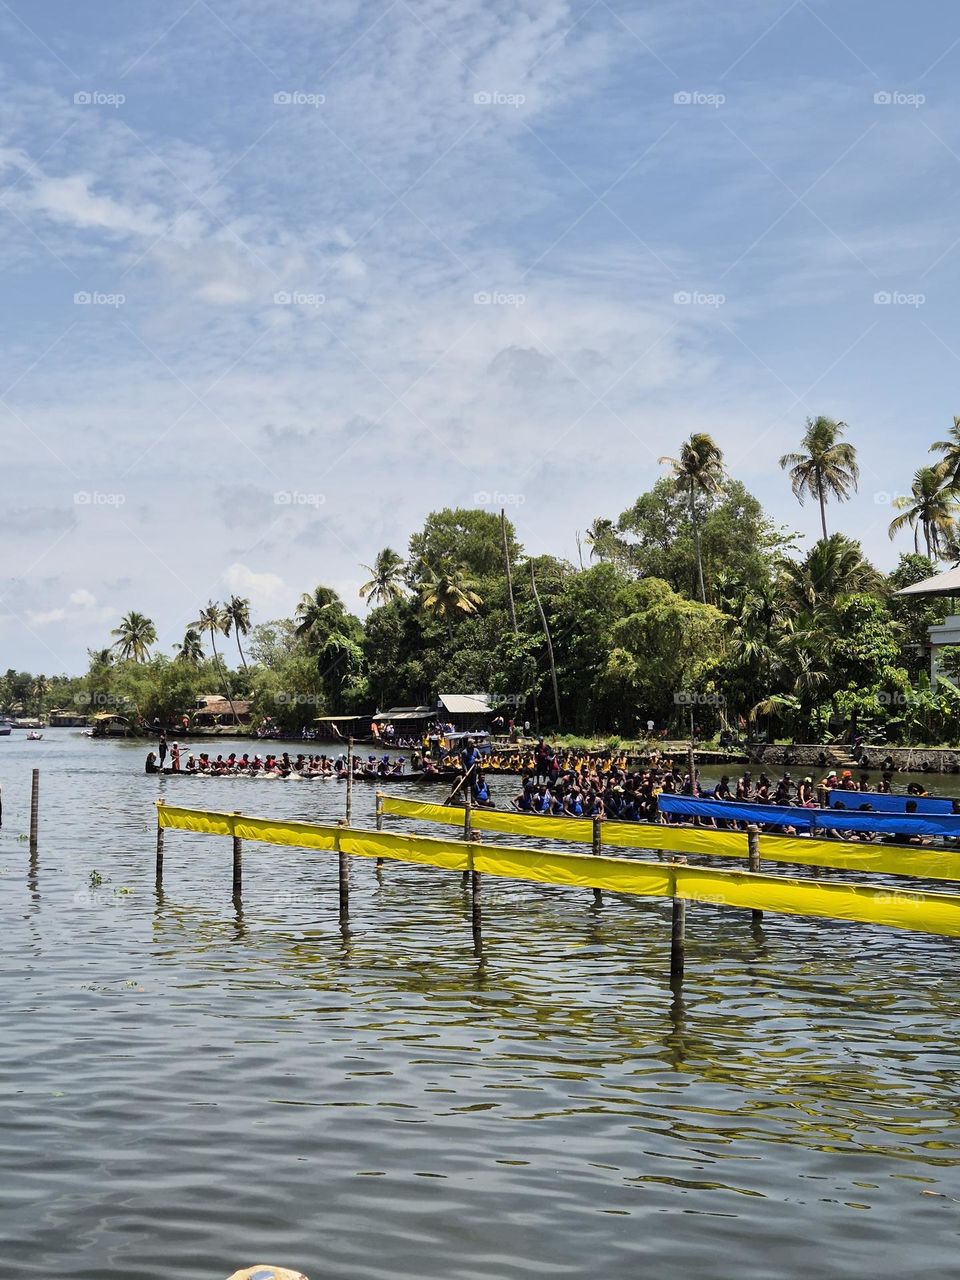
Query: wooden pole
[678,931]
[467,821]
[477,915]
[343,883]
[753,855]
[237,862]
[349,810]
[34,810]
[379,827]
[597,846]
[159,847]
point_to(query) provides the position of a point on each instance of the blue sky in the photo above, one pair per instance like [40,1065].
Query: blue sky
[281,279]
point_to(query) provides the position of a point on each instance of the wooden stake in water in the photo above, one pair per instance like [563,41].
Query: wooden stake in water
[34,810]
[343,880]
[467,820]
[678,932]
[477,912]
[349,810]
[597,846]
[379,815]
[159,847]
[753,855]
[237,861]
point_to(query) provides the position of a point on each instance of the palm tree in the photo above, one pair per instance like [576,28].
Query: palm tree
[930,507]
[317,614]
[213,619]
[237,611]
[827,467]
[949,464]
[600,538]
[447,591]
[135,634]
[834,567]
[698,470]
[191,650]
[39,690]
[386,578]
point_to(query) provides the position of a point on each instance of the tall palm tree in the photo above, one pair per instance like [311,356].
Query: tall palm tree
[930,507]
[949,464]
[447,591]
[698,471]
[39,690]
[386,578]
[237,611]
[827,467]
[213,619]
[135,634]
[190,650]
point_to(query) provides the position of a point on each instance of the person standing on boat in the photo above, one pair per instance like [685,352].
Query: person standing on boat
[469,757]
[162,748]
[175,757]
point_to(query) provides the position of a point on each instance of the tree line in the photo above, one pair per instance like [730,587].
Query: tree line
[691,605]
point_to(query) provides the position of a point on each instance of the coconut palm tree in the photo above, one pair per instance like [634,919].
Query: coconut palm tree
[447,591]
[930,507]
[601,538]
[386,578]
[237,611]
[135,634]
[39,690]
[834,567]
[698,471]
[317,615]
[827,467]
[213,619]
[190,650]
[949,464]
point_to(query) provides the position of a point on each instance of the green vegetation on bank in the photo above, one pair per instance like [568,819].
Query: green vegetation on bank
[690,605]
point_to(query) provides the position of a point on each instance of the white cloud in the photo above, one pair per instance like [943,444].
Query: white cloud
[266,591]
[45,618]
[83,598]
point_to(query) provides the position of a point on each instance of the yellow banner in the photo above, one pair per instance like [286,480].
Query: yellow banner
[868,904]
[841,855]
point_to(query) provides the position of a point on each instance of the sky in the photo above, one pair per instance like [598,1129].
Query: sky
[280,280]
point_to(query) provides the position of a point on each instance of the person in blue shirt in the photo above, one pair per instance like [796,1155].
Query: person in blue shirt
[469,756]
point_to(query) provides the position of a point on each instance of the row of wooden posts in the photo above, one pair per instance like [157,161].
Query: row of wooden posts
[470,878]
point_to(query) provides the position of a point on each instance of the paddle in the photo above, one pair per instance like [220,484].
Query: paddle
[460,783]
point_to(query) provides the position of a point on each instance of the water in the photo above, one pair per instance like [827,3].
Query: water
[187,1089]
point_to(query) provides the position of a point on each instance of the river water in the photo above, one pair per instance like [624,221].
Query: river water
[188,1088]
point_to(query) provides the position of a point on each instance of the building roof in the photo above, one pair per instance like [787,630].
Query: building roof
[407,713]
[941,584]
[466,704]
[221,707]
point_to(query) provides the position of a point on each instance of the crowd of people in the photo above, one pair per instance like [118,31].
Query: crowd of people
[282,765]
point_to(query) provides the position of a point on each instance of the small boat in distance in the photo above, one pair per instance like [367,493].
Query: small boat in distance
[33,736]
[6,726]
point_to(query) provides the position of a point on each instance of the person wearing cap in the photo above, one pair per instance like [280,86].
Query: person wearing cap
[784,792]
[830,782]
[805,792]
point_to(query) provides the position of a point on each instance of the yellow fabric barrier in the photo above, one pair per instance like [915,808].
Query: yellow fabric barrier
[867,904]
[842,855]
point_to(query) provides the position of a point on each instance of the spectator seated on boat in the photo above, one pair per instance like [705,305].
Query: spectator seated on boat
[481,793]
[151,763]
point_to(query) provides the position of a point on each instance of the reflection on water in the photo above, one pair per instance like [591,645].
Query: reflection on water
[192,1082]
